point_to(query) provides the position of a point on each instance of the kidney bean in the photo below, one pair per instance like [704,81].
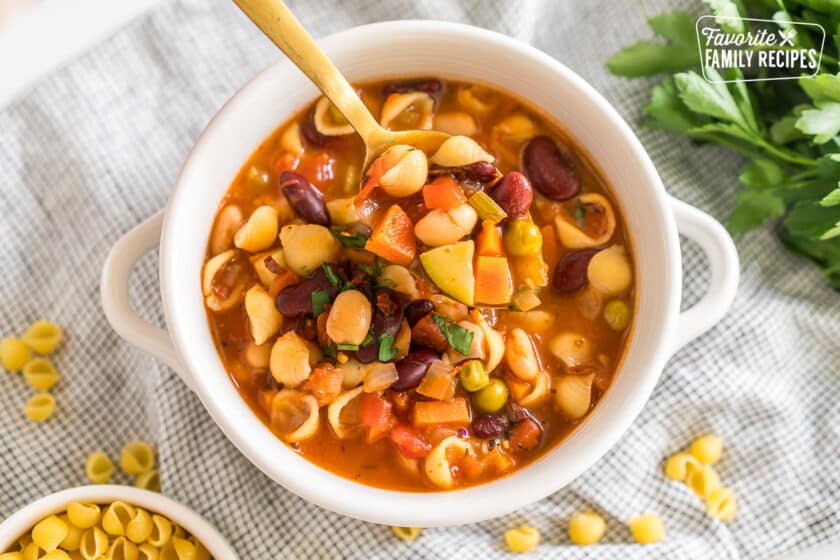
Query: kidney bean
[304,198]
[514,194]
[479,172]
[296,300]
[310,132]
[369,353]
[412,368]
[418,309]
[427,85]
[548,169]
[387,313]
[490,426]
[570,273]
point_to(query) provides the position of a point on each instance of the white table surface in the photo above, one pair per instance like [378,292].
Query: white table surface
[52,32]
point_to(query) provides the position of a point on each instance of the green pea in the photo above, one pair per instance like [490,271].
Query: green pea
[523,238]
[617,314]
[473,376]
[492,397]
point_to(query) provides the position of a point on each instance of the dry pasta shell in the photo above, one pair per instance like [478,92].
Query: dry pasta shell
[147,551]
[139,527]
[116,517]
[161,531]
[49,532]
[148,480]
[74,535]
[82,515]
[40,374]
[137,457]
[43,336]
[40,407]
[99,468]
[122,549]
[14,354]
[94,543]
[407,533]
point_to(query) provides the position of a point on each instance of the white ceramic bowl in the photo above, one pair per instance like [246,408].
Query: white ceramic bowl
[423,48]
[23,520]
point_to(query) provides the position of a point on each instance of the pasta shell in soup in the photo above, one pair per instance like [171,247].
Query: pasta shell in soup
[407,111]
[458,151]
[295,415]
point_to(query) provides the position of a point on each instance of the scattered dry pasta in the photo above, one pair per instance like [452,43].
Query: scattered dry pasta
[40,407]
[522,539]
[647,529]
[707,449]
[14,353]
[99,468]
[81,533]
[137,457]
[586,528]
[721,504]
[678,465]
[703,481]
[43,336]
[407,533]
[148,480]
[40,374]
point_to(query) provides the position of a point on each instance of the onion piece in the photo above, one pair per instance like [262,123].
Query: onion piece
[380,376]
[334,411]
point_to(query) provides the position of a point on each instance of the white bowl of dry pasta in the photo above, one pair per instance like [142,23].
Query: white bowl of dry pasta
[108,521]
[486,385]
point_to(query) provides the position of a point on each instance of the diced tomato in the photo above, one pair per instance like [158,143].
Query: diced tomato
[375,411]
[410,443]
[375,173]
[525,435]
[393,237]
[325,384]
[443,193]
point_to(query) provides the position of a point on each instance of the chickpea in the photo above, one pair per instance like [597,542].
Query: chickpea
[349,318]
[520,355]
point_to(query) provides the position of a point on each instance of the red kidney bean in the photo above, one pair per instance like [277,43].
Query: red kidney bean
[479,172]
[514,194]
[570,273]
[490,426]
[369,353]
[296,300]
[548,169]
[418,309]
[304,198]
[387,313]
[427,85]
[310,132]
[412,368]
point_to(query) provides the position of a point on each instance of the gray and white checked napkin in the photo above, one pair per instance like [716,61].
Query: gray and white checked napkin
[92,151]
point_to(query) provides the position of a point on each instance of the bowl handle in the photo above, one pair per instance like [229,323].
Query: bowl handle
[723,262]
[116,275]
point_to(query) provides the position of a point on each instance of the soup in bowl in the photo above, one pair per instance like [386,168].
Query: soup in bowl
[217,355]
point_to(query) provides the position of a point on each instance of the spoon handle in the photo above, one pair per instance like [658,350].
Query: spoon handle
[285,31]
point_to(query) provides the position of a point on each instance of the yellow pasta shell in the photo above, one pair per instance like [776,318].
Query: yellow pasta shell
[99,468]
[43,336]
[14,353]
[40,407]
[49,532]
[137,457]
[116,517]
[40,374]
[82,515]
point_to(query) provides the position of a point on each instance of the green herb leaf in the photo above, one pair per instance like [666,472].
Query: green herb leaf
[347,346]
[667,112]
[331,274]
[675,26]
[753,209]
[822,87]
[723,10]
[831,199]
[457,336]
[330,350]
[706,98]
[822,122]
[368,340]
[348,239]
[319,298]
[386,350]
[810,219]
[646,58]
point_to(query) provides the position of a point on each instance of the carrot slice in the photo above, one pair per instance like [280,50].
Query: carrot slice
[443,193]
[393,238]
[432,413]
[489,241]
[375,173]
[493,284]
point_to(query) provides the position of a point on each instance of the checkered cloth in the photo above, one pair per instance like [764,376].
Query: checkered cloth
[94,149]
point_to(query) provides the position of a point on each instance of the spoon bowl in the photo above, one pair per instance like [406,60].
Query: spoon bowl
[280,25]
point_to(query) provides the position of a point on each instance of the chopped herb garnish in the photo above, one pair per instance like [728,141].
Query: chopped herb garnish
[320,298]
[347,346]
[348,239]
[386,350]
[372,270]
[331,275]
[368,340]
[580,213]
[457,336]
[329,350]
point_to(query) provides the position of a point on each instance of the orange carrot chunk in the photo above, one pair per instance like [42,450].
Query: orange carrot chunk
[430,413]
[443,194]
[393,238]
[493,284]
[489,241]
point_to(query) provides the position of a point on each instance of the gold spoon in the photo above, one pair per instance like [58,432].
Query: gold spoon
[280,25]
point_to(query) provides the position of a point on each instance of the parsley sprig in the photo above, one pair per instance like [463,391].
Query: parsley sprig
[789,130]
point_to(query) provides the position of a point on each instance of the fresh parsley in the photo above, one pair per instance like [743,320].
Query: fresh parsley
[332,277]
[348,347]
[387,352]
[457,336]
[788,130]
[349,239]
[320,298]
